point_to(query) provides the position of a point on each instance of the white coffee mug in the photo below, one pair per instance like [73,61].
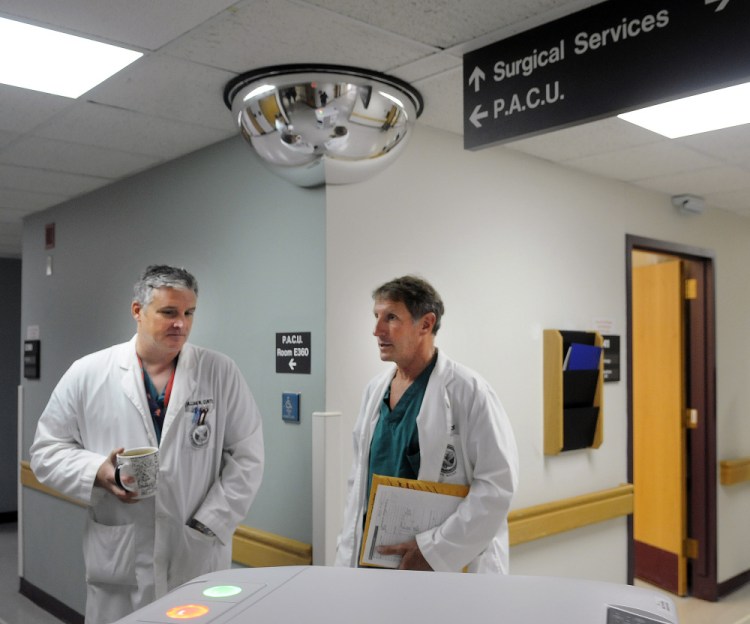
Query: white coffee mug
[142,464]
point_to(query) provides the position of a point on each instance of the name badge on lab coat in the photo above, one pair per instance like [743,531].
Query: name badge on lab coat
[200,430]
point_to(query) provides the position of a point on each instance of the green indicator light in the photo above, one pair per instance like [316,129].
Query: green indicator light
[222,591]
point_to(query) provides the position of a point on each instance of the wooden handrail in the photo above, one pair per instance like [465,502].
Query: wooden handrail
[532,523]
[255,548]
[250,547]
[733,471]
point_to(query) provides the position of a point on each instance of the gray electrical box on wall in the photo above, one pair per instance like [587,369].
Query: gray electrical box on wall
[31,359]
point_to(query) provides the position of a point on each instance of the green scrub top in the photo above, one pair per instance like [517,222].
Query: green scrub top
[394,450]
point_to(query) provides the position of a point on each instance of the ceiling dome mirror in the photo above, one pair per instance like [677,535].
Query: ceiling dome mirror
[323,124]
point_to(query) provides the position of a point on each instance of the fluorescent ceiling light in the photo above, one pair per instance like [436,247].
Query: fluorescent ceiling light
[714,110]
[264,88]
[54,62]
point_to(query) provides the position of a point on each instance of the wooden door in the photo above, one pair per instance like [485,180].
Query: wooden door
[659,451]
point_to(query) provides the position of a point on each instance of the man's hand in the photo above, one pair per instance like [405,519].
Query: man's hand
[411,556]
[105,478]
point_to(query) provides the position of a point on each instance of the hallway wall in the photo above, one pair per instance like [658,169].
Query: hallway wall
[256,245]
[516,245]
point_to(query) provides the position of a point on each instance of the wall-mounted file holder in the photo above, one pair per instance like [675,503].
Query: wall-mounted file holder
[573,416]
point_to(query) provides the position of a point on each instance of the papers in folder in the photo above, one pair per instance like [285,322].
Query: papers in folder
[399,509]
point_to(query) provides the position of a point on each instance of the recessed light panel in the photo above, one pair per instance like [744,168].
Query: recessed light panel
[54,62]
[723,108]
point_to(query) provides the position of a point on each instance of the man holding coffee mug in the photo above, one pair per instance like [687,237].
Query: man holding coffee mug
[163,442]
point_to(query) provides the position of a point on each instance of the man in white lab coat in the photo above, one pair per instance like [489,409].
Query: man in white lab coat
[155,390]
[433,419]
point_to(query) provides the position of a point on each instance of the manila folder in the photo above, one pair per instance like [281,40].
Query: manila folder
[399,509]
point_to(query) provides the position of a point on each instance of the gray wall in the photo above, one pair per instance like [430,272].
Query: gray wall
[10,357]
[256,245]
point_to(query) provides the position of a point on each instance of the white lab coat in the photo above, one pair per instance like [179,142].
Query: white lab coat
[135,553]
[464,437]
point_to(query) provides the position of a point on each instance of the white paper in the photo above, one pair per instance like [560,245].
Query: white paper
[398,514]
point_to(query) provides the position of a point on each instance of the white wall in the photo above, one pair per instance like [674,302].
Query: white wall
[516,245]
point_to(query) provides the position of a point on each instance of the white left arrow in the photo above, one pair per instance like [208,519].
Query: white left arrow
[292,363]
[476,77]
[476,115]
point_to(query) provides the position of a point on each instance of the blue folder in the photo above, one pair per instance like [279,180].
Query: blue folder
[582,357]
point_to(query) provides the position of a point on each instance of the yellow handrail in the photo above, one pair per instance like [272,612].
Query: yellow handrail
[733,471]
[254,547]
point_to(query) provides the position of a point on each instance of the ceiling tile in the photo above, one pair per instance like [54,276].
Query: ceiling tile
[27,201]
[428,66]
[276,32]
[730,145]
[171,88]
[9,230]
[140,23]
[440,23]
[27,179]
[74,158]
[11,234]
[106,126]
[23,109]
[443,101]
[8,215]
[7,137]
[700,182]
[637,163]
[170,102]
[587,139]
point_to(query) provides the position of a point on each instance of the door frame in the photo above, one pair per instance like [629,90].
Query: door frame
[701,456]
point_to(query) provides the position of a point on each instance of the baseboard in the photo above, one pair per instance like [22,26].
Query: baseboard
[52,605]
[734,583]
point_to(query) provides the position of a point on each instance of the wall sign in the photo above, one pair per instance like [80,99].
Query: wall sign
[611,346]
[293,352]
[31,359]
[613,57]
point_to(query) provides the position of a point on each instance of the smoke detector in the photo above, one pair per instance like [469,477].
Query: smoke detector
[689,204]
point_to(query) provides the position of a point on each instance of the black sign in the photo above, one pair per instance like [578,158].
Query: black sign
[293,353]
[31,355]
[611,58]
[611,358]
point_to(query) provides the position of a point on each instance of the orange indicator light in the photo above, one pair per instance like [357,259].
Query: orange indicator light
[187,612]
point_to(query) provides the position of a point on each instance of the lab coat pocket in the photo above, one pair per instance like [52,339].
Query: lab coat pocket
[199,554]
[109,553]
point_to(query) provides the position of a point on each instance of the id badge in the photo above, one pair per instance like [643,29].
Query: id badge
[200,427]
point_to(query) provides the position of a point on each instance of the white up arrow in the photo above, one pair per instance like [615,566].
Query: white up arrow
[476,77]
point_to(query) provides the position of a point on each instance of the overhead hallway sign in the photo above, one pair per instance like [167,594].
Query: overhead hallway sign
[605,60]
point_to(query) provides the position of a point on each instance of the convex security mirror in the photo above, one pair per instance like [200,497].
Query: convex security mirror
[323,124]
